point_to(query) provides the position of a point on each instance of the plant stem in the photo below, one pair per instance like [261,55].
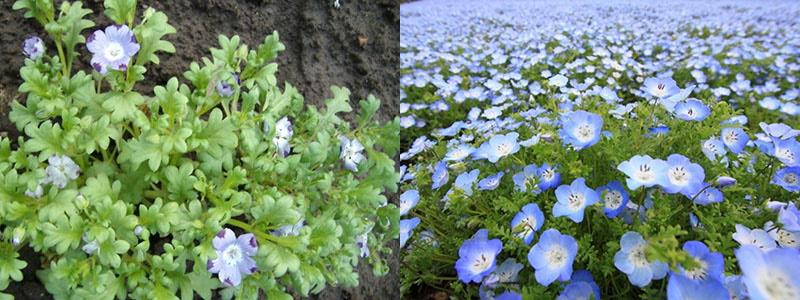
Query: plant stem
[260,235]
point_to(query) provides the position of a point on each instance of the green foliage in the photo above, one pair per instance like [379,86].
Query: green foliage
[161,173]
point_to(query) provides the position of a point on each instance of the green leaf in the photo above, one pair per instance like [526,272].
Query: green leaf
[139,150]
[10,266]
[180,182]
[215,136]
[120,11]
[41,10]
[154,26]
[276,212]
[368,109]
[63,233]
[122,106]
[109,252]
[338,104]
[278,259]
[72,23]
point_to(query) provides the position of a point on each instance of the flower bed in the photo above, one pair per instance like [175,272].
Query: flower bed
[600,150]
[225,181]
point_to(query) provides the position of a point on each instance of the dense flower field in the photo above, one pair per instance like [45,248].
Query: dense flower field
[606,150]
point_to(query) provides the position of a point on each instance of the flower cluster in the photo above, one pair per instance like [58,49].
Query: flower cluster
[653,147]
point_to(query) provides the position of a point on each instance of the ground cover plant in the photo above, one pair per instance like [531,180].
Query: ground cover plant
[591,150]
[218,182]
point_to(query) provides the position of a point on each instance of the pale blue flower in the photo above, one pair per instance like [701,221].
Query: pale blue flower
[773,274]
[526,222]
[573,199]
[477,257]
[632,260]
[112,48]
[643,170]
[552,257]
[234,256]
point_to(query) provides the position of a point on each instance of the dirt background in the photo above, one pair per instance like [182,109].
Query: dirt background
[322,49]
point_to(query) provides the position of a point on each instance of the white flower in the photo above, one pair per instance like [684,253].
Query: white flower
[351,153]
[61,170]
[283,133]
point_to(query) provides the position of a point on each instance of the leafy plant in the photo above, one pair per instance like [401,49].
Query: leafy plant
[125,194]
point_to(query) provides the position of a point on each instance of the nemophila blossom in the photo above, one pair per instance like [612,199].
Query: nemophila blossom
[224,89]
[36,192]
[526,180]
[499,146]
[581,129]
[351,153]
[477,257]
[558,80]
[505,273]
[60,170]
[440,175]
[585,276]
[682,176]
[725,181]
[643,170]
[661,87]
[779,130]
[787,151]
[576,290]
[234,256]
[632,260]
[408,200]
[709,265]
[33,47]
[756,237]
[508,295]
[683,288]
[735,286]
[464,181]
[90,246]
[362,244]
[548,177]
[573,199]
[713,148]
[788,178]
[789,217]
[407,229]
[490,182]
[526,222]
[707,195]
[614,198]
[552,257]
[692,110]
[459,153]
[660,130]
[770,275]
[112,48]
[670,102]
[283,133]
[784,238]
[734,138]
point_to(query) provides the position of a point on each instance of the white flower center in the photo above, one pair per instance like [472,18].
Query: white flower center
[785,154]
[791,178]
[459,154]
[556,256]
[503,149]
[576,201]
[731,137]
[548,174]
[645,173]
[613,199]
[788,239]
[481,263]
[114,52]
[584,132]
[700,272]
[678,176]
[777,285]
[232,255]
[638,257]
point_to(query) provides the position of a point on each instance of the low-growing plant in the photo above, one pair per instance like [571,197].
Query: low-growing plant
[219,180]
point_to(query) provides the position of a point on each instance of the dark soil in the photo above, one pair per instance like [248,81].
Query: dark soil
[324,47]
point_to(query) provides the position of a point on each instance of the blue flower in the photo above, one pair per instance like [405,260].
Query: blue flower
[573,199]
[407,229]
[683,176]
[527,179]
[724,181]
[464,181]
[576,290]
[408,200]
[477,257]
[756,237]
[788,178]
[526,222]
[440,175]
[682,288]
[787,151]
[490,182]
[661,87]
[614,197]
[234,256]
[459,153]
[351,153]
[632,260]
[713,148]
[779,130]
[283,134]
[500,146]
[789,216]
[548,177]
[112,48]
[552,257]
[773,274]
[558,80]
[710,265]
[508,295]
[735,139]
[692,110]
[643,170]
[585,276]
[33,47]
[708,195]
[581,129]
